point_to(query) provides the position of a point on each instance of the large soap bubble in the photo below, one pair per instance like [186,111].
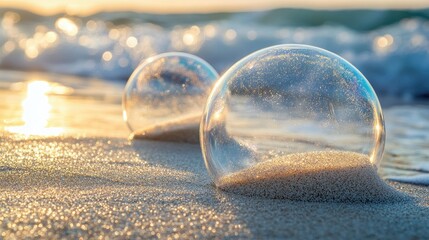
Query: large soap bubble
[165,96]
[298,122]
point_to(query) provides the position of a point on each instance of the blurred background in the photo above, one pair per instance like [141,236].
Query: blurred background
[388,41]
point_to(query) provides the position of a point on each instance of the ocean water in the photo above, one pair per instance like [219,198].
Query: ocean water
[390,47]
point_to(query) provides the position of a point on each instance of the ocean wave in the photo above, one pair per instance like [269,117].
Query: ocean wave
[390,47]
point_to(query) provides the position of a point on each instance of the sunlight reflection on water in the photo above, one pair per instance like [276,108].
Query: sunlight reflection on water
[36,110]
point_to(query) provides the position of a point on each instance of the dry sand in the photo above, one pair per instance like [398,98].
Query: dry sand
[314,176]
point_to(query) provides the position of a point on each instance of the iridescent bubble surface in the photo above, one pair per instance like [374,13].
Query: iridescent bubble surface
[167,88]
[290,99]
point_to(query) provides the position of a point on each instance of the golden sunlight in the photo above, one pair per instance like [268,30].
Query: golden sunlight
[84,7]
[36,111]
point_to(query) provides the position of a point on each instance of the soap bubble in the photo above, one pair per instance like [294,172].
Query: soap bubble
[167,88]
[301,104]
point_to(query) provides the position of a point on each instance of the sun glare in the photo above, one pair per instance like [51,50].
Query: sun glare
[36,111]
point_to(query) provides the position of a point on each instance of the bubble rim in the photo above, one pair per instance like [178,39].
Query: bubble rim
[150,59]
[378,152]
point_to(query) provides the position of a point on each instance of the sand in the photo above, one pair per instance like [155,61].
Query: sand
[176,130]
[314,176]
[90,187]
[94,183]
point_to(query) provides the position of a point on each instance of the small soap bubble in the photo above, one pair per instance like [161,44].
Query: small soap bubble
[166,94]
[294,121]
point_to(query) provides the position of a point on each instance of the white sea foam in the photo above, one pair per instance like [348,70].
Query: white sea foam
[420,179]
[388,47]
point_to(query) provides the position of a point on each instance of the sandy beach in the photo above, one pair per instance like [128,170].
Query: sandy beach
[110,187]
[92,182]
